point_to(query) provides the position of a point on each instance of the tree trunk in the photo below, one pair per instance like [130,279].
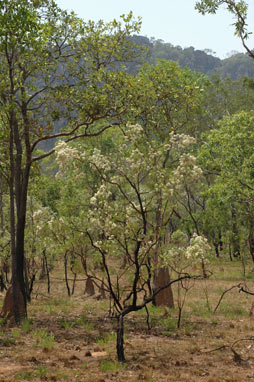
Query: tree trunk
[1,208]
[120,340]
[161,276]
[235,238]
[15,301]
[251,238]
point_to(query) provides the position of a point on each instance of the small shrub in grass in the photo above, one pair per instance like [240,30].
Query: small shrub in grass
[7,341]
[84,365]
[156,310]
[66,324]
[51,310]
[44,339]
[26,375]
[61,376]
[42,372]
[110,366]
[201,309]
[85,322]
[26,325]
[250,276]
[15,333]
[109,337]
[169,324]
[232,311]
[214,321]
[3,321]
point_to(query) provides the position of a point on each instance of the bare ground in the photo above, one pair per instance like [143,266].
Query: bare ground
[72,339]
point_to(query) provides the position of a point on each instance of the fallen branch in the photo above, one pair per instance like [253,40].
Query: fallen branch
[236,356]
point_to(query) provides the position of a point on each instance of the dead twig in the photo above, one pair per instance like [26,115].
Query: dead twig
[236,356]
[223,294]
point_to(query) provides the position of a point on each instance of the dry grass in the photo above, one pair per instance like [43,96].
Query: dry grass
[72,339]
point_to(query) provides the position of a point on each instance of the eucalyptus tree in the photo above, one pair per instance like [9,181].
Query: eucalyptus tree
[239,10]
[54,74]
[227,154]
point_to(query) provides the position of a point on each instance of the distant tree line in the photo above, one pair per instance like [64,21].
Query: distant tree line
[235,66]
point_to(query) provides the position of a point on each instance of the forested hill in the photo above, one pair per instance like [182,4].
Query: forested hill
[234,67]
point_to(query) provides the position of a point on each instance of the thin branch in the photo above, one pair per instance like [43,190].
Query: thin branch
[223,294]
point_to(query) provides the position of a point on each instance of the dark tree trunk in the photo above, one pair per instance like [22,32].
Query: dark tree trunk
[216,247]
[66,274]
[161,275]
[220,242]
[18,188]
[1,208]
[251,237]
[230,252]
[235,238]
[120,339]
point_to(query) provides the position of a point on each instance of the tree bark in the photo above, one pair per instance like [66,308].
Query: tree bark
[161,276]
[120,340]
[251,237]
[235,238]
[16,299]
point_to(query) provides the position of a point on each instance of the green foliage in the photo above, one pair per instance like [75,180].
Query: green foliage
[239,11]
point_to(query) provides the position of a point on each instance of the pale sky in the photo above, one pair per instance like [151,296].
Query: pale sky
[174,21]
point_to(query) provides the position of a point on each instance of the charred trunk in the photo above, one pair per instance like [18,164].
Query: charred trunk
[120,340]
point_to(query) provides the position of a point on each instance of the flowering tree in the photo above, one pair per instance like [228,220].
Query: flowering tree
[122,220]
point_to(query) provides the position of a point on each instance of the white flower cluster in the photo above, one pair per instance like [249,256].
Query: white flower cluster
[187,169]
[101,196]
[181,141]
[65,155]
[182,256]
[100,161]
[133,132]
[198,249]
[41,217]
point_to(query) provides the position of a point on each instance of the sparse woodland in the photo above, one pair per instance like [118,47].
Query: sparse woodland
[126,204]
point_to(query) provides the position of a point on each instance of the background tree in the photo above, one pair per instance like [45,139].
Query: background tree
[227,156]
[41,46]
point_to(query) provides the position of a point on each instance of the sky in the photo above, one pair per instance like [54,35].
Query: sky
[173,21]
